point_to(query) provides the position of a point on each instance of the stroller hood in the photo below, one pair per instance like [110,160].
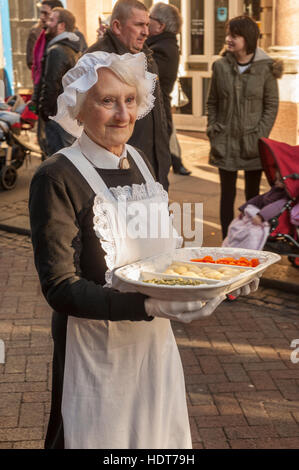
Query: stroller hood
[284,157]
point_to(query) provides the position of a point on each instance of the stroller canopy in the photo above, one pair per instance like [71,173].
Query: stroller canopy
[284,158]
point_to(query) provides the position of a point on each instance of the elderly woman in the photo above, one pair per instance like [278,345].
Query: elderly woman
[117,374]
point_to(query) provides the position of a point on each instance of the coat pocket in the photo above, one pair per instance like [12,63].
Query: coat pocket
[250,145]
[218,139]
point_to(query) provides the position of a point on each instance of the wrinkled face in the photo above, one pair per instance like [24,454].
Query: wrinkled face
[109,112]
[134,31]
[235,43]
[53,24]
[44,14]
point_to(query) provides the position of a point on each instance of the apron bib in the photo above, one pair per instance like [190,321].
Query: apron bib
[123,381]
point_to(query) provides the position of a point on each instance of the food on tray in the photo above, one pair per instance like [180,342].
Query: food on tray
[242,261]
[220,274]
[174,282]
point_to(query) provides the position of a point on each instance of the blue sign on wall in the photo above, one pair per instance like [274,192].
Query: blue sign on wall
[7,49]
[222,13]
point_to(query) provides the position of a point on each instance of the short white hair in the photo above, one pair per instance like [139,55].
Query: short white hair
[130,68]
[126,75]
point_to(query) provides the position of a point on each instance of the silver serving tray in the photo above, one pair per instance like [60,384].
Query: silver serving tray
[130,277]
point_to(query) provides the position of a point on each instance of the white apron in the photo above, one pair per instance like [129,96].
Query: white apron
[123,381]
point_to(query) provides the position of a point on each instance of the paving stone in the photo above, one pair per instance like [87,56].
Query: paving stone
[38,444]
[220,421]
[216,444]
[202,410]
[210,365]
[194,431]
[21,434]
[250,432]
[227,404]
[30,414]
[236,373]
[262,380]
[255,413]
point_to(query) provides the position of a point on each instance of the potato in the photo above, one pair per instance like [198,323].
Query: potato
[180,269]
[190,274]
[214,275]
[169,271]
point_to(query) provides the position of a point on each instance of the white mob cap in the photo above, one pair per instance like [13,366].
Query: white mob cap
[84,75]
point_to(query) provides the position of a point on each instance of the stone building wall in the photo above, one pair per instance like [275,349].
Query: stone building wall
[23,14]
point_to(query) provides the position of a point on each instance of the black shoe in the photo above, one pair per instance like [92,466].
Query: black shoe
[182,171]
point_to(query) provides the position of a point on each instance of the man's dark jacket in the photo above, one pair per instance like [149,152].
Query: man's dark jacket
[167,56]
[150,132]
[58,58]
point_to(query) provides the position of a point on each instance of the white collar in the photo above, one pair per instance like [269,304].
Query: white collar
[99,156]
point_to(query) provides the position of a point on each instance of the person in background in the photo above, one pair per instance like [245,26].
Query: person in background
[242,107]
[128,31]
[45,8]
[37,28]
[35,50]
[101,29]
[61,54]
[34,33]
[165,24]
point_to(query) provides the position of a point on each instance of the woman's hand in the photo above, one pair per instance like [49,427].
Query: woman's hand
[252,286]
[185,312]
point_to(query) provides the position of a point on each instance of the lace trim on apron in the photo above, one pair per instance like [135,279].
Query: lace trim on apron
[102,224]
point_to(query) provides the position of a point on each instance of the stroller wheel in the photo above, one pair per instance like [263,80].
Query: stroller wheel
[294,260]
[8,177]
[18,156]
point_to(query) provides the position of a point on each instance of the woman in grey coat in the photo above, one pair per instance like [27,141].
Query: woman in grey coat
[242,107]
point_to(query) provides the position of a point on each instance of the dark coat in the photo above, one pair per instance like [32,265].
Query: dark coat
[150,133]
[167,56]
[241,109]
[58,58]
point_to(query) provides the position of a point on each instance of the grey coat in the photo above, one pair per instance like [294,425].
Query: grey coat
[241,109]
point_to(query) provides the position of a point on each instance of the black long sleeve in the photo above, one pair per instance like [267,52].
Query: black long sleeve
[68,256]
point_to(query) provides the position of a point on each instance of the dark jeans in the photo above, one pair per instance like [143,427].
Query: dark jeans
[57,137]
[228,193]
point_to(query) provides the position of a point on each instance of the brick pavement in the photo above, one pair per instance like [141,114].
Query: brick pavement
[242,388]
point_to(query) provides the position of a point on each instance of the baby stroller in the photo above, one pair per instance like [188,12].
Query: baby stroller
[284,234]
[16,119]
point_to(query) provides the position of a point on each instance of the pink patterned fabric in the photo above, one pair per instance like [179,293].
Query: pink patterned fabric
[38,53]
[295,215]
[242,233]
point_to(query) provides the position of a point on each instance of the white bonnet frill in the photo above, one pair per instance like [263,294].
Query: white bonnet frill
[84,75]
